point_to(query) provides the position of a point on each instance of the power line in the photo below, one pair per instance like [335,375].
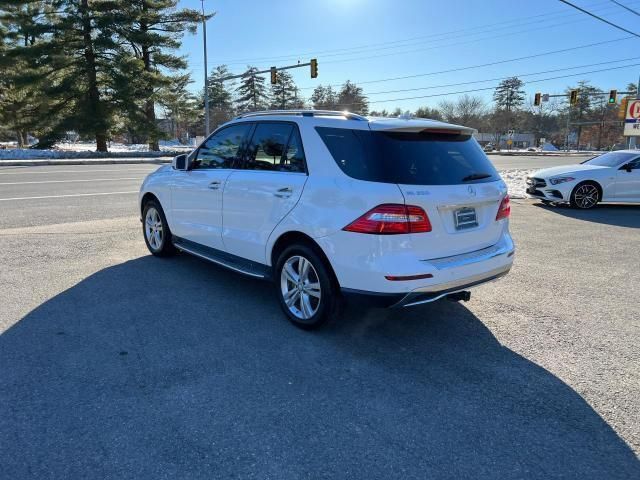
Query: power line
[626,8]
[494,86]
[466,42]
[600,18]
[489,64]
[333,52]
[502,78]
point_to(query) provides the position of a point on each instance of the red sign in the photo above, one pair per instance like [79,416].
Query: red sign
[633,110]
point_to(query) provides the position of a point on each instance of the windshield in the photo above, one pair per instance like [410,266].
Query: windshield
[410,158]
[611,159]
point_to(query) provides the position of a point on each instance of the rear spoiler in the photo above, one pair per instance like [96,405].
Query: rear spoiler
[427,126]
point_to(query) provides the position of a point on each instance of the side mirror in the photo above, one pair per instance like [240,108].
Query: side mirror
[179,162]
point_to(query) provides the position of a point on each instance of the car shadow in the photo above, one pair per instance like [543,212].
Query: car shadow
[159,368]
[621,215]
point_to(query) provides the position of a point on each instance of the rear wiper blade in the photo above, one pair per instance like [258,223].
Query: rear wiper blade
[476,176]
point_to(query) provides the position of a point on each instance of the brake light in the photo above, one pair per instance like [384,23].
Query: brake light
[391,219]
[504,210]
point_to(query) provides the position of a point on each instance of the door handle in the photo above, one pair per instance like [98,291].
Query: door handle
[283,192]
[215,185]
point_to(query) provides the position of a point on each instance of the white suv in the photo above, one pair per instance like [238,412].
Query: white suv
[326,204]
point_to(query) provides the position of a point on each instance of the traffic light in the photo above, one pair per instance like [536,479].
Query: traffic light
[573,97]
[274,76]
[314,68]
[613,96]
[622,110]
[536,99]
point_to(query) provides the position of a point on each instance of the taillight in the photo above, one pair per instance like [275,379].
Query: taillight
[391,219]
[504,210]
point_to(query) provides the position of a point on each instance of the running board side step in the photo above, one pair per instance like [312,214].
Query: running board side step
[224,259]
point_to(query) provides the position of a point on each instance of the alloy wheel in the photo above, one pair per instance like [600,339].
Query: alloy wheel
[586,196]
[153,228]
[300,286]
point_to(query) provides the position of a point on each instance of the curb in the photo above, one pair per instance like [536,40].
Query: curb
[83,161]
[538,154]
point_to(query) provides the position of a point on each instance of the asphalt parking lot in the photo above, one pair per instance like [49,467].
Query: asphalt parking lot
[116,364]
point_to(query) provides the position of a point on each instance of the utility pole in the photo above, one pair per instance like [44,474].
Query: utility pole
[632,140]
[206,74]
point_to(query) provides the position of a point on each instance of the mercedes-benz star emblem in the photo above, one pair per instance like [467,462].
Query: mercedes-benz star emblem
[472,191]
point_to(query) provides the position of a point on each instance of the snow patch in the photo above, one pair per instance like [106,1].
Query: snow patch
[516,181]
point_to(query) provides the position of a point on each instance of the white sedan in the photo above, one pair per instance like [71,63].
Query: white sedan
[611,177]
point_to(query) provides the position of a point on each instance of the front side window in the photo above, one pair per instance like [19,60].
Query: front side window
[635,165]
[222,149]
[275,147]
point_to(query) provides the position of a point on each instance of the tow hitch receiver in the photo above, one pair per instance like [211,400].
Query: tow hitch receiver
[464,296]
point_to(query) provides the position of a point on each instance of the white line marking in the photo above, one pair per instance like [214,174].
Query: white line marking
[66,196]
[28,171]
[74,181]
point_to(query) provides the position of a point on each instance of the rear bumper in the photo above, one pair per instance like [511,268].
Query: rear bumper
[450,275]
[395,300]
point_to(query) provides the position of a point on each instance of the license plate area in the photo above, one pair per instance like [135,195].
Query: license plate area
[464,218]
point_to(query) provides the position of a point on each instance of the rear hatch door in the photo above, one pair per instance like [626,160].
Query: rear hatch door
[441,168]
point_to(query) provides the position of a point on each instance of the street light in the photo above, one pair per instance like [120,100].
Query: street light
[206,73]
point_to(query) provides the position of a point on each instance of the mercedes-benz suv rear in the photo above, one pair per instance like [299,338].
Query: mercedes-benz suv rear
[440,224]
[328,205]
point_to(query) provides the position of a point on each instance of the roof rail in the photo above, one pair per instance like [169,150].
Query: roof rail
[305,113]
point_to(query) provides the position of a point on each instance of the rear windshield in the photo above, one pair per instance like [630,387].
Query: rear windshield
[411,158]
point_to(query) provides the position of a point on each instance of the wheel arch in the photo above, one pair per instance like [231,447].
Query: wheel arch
[296,237]
[146,198]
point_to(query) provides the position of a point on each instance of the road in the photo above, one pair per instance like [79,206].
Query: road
[507,162]
[116,364]
[34,195]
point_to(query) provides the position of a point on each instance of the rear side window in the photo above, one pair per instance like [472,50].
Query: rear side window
[277,147]
[410,158]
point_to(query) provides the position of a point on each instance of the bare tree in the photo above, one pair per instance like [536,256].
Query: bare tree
[466,110]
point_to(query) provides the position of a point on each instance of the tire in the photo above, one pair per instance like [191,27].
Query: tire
[585,195]
[155,230]
[311,306]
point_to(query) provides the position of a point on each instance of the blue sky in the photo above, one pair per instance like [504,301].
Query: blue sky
[371,40]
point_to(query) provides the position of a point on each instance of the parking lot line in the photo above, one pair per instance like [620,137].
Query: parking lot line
[29,171]
[73,181]
[69,195]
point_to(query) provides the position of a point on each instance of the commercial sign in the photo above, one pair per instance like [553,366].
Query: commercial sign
[632,119]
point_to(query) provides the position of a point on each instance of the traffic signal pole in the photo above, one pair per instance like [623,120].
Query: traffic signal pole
[313,64]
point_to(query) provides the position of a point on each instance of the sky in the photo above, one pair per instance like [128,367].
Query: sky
[371,42]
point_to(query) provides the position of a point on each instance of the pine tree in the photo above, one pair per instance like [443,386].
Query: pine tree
[180,105]
[352,98]
[221,108]
[252,92]
[428,112]
[22,105]
[582,110]
[73,58]
[509,95]
[324,98]
[509,98]
[284,94]
[151,30]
